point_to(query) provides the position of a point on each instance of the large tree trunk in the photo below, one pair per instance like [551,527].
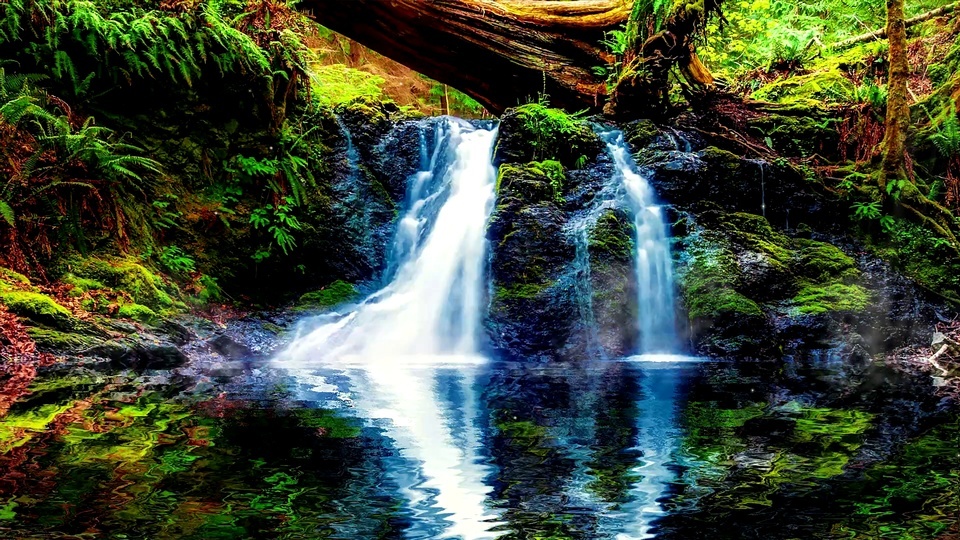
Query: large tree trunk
[500,52]
[898,106]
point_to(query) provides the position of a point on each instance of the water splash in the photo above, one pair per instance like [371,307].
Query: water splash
[654,265]
[433,305]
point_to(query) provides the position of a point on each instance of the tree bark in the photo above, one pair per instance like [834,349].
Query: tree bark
[898,106]
[501,52]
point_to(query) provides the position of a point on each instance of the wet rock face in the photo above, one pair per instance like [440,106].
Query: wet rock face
[612,282]
[530,311]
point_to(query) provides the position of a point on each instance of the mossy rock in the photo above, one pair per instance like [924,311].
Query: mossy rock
[58,342]
[144,286]
[139,313]
[40,309]
[521,291]
[641,134]
[821,261]
[81,285]
[612,236]
[535,132]
[13,277]
[710,277]
[800,130]
[830,86]
[531,183]
[338,292]
[815,299]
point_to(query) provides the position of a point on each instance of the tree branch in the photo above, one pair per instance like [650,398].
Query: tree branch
[882,33]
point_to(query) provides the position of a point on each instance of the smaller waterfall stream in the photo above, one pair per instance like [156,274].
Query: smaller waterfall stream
[654,266]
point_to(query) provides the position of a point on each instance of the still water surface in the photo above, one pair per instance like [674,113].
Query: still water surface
[647,447]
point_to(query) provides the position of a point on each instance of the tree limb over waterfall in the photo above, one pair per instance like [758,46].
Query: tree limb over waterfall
[506,52]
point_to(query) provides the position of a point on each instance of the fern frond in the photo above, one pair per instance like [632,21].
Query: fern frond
[6,212]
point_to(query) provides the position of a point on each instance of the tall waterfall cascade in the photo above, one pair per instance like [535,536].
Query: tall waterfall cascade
[433,303]
[654,265]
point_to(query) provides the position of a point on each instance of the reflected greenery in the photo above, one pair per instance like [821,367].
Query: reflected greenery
[149,457]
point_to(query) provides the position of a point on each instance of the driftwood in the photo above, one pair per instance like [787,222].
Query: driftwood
[947,345]
[882,33]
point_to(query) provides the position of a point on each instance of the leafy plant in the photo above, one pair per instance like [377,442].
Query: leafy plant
[175,260]
[872,94]
[280,222]
[946,138]
[870,210]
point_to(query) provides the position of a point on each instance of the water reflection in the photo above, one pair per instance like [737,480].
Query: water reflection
[428,449]
[660,397]
[429,409]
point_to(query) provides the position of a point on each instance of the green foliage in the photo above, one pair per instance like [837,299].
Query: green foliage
[866,210]
[786,35]
[123,43]
[337,83]
[555,174]
[280,222]
[7,213]
[175,260]
[873,95]
[550,127]
[946,137]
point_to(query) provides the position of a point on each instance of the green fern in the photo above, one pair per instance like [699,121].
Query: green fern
[947,137]
[6,212]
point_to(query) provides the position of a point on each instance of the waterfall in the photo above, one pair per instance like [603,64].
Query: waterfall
[401,349]
[654,266]
[433,302]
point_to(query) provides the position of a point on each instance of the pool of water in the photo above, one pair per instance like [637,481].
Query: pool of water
[646,447]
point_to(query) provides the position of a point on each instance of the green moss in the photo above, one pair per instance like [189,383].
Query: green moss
[334,294]
[369,107]
[641,134]
[708,282]
[821,261]
[820,298]
[531,182]
[139,313]
[15,277]
[61,342]
[754,232]
[144,286]
[81,285]
[612,235]
[520,291]
[39,308]
[830,86]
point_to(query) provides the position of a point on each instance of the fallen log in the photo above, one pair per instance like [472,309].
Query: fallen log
[507,52]
[882,33]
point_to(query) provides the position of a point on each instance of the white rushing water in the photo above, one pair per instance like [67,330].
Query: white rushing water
[434,303]
[402,347]
[654,266]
